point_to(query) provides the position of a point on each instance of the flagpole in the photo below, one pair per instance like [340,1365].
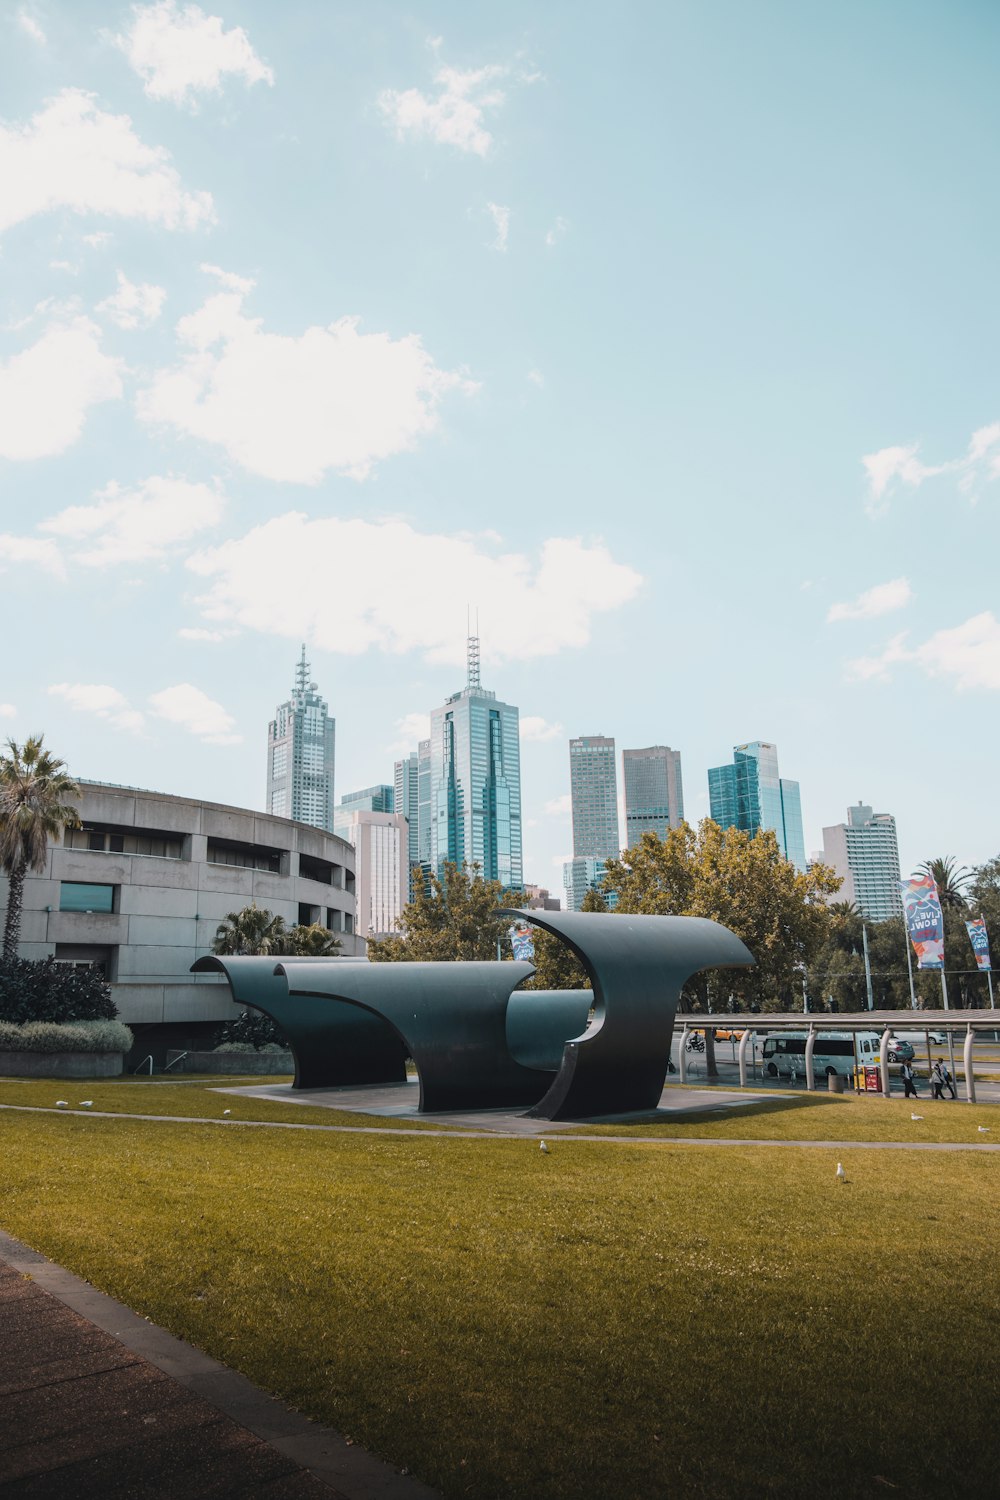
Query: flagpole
[909,965]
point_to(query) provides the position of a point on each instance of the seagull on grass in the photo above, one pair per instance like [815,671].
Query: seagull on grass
[86,1103]
[984,1129]
[227,1111]
[62,1104]
[916,1117]
[841,1174]
[543,1148]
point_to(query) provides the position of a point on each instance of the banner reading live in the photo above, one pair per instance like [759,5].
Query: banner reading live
[522,940]
[924,921]
[980,942]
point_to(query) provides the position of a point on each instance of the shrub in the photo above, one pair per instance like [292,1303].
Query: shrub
[252,1031]
[33,990]
[76,1036]
[271,1047]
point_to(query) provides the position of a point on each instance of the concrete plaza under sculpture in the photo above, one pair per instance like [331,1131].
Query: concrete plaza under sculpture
[478,1042]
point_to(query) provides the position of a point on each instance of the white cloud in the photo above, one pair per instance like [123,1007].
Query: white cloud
[292,408]
[558,860]
[229,279]
[98,240]
[501,223]
[193,710]
[559,807]
[195,633]
[181,53]
[880,600]
[28,549]
[456,116]
[968,653]
[47,390]
[555,234]
[536,377]
[134,304]
[410,730]
[30,27]
[8,711]
[100,699]
[890,467]
[538,729]
[73,155]
[381,600]
[134,525]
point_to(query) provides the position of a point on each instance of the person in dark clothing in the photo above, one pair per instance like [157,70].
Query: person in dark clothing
[937,1081]
[909,1081]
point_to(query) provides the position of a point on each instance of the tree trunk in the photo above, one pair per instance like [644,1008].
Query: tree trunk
[12,926]
[711,1070]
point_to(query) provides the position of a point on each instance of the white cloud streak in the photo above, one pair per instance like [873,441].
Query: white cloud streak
[455,115]
[30,27]
[410,730]
[102,700]
[73,155]
[534,728]
[294,408]
[180,53]
[889,468]
[8,711]
[134,304]
[559,807]
[968,654]
[501,223]
[191,709]
[883,599]
[134,525]
[29,549]
[47,390]
[381,600]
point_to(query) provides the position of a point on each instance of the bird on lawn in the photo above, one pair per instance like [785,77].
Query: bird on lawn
[86,1103]
[916,1117]
[542,1147]
[984,1129]
[227,1111]
[62,1104]
[841,1174]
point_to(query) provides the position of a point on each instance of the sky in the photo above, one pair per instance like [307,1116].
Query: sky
[664,335]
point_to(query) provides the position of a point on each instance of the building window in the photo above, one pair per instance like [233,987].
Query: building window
[316,869]
[308,915]
[106,839]
[78,895]
[244,856]
[87,956]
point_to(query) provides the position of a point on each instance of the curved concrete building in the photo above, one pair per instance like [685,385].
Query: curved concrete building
[141,888]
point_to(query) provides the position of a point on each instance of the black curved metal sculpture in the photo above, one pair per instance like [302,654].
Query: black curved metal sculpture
[637,966]
[450,1017]
[331,1044]
[539,1023]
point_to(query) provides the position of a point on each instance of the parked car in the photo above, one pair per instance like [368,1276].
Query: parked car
[899,1051]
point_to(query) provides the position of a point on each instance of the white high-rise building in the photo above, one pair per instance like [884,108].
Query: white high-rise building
[380,854]
[300,755]
[864,853]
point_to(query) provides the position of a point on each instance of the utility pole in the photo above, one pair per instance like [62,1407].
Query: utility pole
[868,967]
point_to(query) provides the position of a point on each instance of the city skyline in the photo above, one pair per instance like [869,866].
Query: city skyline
[332,321]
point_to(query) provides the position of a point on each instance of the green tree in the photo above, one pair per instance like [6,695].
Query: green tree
[951,880]
[451,917]
[34,807]
[984,901]
[312,941]
[744,882]
[252,931]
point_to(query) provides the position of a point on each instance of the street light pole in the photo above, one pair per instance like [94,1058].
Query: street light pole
[868,967]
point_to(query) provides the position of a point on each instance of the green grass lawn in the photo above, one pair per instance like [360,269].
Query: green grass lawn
[594,1323]
[824,1117]
[193,1098]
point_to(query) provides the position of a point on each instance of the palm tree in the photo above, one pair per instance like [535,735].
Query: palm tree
[251,931]
[34,786]
[951,882]
[314,941]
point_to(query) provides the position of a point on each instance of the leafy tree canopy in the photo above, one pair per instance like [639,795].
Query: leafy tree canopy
[454,917]
[256,931]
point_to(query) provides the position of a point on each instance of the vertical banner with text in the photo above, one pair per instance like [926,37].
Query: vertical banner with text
[522,940]
[980,942]
[924,920]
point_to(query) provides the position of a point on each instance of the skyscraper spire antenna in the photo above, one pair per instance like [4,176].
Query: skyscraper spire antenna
[473,681]
[302,672]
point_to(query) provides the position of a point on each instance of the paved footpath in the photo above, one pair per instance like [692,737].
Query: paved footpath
[96,1401]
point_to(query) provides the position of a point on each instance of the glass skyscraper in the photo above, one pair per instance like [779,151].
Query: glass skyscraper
[475,782]
[300,755]
[654,793]
[749,794]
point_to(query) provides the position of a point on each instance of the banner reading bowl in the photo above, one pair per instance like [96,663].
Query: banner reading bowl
[522,940]
[924,921]
[980,942]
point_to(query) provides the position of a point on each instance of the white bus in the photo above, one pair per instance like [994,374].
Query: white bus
[784,1052]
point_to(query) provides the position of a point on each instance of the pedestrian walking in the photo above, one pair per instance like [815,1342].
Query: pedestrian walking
[937,1081]
[909,1081]
[948,1080]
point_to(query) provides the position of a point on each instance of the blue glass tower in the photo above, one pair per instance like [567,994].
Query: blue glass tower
[475,782]
[751,795]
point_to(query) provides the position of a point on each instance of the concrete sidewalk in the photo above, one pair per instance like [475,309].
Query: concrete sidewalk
[95,1400]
